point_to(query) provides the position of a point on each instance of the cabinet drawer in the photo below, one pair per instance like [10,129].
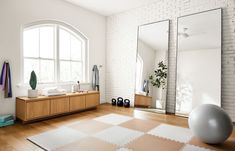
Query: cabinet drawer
[92,100]
[37,109]
[60,105]
[77,103]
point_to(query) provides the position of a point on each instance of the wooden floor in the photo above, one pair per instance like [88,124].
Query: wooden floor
[13,138]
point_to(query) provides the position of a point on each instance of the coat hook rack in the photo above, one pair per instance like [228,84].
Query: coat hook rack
[100,66]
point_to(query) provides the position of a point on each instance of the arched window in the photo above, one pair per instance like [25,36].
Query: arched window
[56,52]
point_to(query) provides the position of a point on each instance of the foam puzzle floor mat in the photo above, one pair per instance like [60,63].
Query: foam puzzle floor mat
[114,132]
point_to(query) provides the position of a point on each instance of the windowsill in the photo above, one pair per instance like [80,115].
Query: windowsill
[25,85]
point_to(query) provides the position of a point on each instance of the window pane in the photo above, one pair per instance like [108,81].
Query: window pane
[29,66]
[31,43]
[64,44]
[65,71]
[47,42]
[47,71]
[76,71]
[76,48]
[42,42]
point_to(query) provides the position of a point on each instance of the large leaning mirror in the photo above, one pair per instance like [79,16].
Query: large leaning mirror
[151,66]
[198,61]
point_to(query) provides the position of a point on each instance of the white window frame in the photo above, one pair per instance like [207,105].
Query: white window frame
[71,30]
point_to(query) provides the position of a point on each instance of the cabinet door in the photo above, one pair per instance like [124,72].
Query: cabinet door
[92,100]
[77,103]
[37,109]
[20,109]
[143,100]
[59,106]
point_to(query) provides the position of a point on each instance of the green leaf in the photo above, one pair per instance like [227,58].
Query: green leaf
[33,80]
[160,75]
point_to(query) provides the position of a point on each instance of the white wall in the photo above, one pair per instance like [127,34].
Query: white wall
[122,43]
[16,13]
[148,55]
[195,85]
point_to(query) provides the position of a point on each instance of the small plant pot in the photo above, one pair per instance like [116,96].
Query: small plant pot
[32,93]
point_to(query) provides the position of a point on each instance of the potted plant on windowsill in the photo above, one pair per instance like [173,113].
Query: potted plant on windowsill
[33,93]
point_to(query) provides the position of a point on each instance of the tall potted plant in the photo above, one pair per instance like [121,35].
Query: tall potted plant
[159,80]
[33,92]
[160,76]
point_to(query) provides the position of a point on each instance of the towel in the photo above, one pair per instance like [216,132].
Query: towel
[5,80]
[5,118]
[95,78]
[3,76]
[52,91]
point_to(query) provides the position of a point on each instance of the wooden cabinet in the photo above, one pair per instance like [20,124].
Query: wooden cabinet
[77,103]
[142,100]
[28,109]
[59,106]
[37,109]
[92,100]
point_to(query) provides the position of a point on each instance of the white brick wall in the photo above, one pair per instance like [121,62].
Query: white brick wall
[122,42]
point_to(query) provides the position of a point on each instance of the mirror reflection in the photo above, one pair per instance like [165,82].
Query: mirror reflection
[198,61]
[151,66]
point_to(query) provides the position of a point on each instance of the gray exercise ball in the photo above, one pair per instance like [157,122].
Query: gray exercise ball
[210,123]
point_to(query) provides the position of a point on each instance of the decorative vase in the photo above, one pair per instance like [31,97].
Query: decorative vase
[32,93]
[163,98]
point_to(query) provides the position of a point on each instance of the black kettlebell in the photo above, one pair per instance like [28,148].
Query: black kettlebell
[127,103]
[114,101]
[119,101]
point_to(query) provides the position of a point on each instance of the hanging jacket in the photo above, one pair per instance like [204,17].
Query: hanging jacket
[145,87]
[95,78]
[5,80]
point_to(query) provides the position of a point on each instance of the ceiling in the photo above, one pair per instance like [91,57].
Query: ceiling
[110,7]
